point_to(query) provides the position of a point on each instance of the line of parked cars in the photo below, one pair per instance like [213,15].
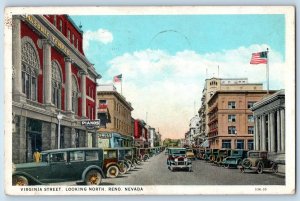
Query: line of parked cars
[243,160]
[87,165]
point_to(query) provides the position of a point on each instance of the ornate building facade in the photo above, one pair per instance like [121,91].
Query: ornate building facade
[52,79]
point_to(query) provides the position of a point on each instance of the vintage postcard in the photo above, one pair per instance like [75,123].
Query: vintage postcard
[150,100]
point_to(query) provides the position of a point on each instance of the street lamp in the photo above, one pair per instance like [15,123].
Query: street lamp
[59,117]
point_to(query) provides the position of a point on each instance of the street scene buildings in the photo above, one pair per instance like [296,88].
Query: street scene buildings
[129,120]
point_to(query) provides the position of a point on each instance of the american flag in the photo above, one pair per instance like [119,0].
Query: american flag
[259,58]
[118,78]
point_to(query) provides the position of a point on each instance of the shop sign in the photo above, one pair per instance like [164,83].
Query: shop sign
[91,124]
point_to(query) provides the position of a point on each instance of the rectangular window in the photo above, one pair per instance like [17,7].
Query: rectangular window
[54,21]
[231,130]
[68,35]
[102,102]
[226,144]
[73,39]
[250,129]
[250,104]
[77,43]
[231,118]
[60,25]
[23,82]
[250,145]
[103,119]
[27,86]
[240,144]
[250,118]
[92,116]
[58,157]
[231,105]
[91,156]
[76,156]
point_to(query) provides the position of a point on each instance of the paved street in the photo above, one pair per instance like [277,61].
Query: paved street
[155,172]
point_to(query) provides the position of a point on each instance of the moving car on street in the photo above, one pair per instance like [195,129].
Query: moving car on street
[258,161]
[71,164]
[177,159]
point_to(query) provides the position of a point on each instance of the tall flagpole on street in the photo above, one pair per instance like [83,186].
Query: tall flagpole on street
[267,70]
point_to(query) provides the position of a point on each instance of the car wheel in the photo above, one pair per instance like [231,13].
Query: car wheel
[226,165]
[18,180]
[246,163]
[146,158]
[275,168]
[138,162]
[122,168]
[93,177]
[133,166]
[112,171]
[259,168]
[128,165]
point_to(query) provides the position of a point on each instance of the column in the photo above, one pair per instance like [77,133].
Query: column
[68,85]
[47,71]
[256,133]
[22,145]
[278,132]
[269,132]
[73,137]
[83,94]
[17,60]
[282,132]
[53,135]
[263,133]
[272,128]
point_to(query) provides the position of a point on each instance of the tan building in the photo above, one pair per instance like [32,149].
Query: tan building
[114,113]
[210,87]
[230,120]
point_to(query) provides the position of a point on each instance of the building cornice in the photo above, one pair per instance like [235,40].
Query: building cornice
[269,99]
[118,96]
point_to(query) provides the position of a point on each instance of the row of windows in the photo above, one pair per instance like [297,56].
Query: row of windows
[90,112]
[232,104]
[118,124]
[232,118]
[239,144]
[90,91]
[59,25]
[232,130]
[122,110]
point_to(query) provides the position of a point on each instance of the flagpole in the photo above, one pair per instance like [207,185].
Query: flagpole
[267,70]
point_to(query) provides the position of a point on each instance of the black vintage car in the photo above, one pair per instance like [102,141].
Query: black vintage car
[71,164]
[177,159]
[222,153]
[235,159]
[258,161]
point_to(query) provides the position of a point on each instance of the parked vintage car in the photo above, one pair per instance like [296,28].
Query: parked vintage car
[222,153]
[235,159]
[125,155]
[213,155]
[112,165]
[190,154]
[166,151]
[177,159]
[144,154]
[199,153]
[71,164]
[258,161]
[207,154]
[136,158]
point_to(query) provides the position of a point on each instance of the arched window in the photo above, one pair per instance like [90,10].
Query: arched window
[74,95]
[30,69]
[56,84]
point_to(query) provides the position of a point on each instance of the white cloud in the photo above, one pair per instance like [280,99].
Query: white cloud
[166,85]
[101,35]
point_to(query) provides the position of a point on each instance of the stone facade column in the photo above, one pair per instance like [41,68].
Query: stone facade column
[73,138]
[67,137]
[282,132]
[256,133]
[53,130]
[47,71]
[22,145]
[269,132]
[17,60]
[83,94]
[272,132]
[278,131]
[68,85]
[46,138]
[263,133]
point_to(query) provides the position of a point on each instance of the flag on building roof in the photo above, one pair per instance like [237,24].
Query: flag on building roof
[118,78]
[259,58]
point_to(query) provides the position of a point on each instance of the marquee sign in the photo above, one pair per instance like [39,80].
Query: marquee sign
[91,124]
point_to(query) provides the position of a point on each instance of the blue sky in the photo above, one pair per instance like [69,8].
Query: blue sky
[162,56]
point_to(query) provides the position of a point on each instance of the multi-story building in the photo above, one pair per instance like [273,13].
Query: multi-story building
[269,129]
[231,122]
[53,85]
[195,131]
[141,134]
[114,113]
[210,87]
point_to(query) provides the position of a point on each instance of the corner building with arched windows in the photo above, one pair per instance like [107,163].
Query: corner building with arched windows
[51,76]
